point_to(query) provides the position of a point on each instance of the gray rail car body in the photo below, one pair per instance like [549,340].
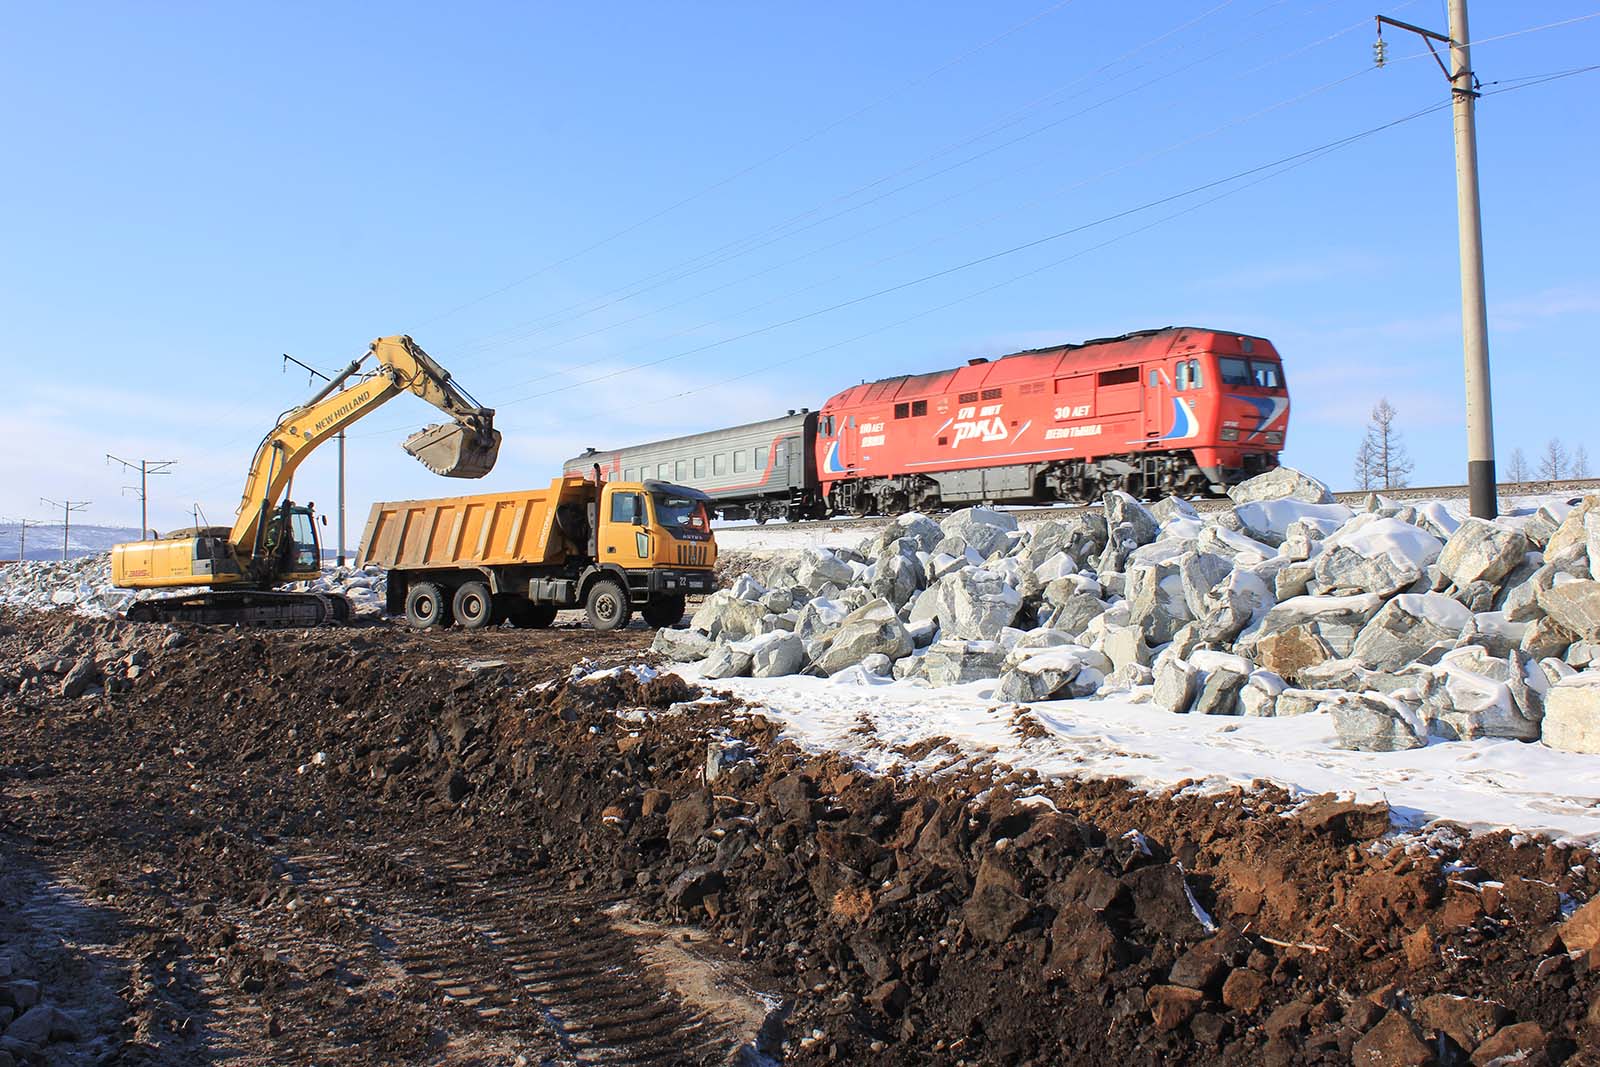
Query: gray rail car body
[761,470]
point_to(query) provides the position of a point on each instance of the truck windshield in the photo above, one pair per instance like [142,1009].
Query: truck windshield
[680,512]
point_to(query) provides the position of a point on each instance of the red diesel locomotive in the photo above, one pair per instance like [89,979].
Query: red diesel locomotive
[1181,410]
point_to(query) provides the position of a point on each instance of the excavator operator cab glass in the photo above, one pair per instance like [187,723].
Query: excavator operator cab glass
[680,512]
[307,553]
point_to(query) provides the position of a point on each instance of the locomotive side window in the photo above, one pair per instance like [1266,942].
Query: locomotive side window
[919,407]
[1155,377]
[1196,380]
[699,466]
[760,456]
[1182,375]
[1266,375]
[1234,371]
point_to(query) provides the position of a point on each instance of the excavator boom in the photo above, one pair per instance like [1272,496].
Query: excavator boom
[273,541]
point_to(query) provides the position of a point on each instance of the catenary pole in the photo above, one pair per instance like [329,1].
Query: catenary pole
[1474,306]
[1469,236]
[67,508]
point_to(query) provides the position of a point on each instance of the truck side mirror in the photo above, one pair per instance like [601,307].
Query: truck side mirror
[638,518]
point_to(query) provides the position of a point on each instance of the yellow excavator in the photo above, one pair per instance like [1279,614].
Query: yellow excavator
[274,541]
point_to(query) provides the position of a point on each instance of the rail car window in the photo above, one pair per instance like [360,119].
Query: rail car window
[760,456]
[719,463]
[699,466]
[919,407]
[627,475]
[1266,375]
[681,469]
[902,411]
[661,471]
[1234,371]
[739,461]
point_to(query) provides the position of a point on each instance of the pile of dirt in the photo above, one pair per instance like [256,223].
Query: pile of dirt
[977,917]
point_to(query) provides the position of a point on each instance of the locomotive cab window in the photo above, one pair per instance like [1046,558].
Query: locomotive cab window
[1234,371]
[1266,375]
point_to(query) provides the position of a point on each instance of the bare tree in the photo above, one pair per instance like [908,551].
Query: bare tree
[1517,467]
[1553,464]
[1579,467]
[1381,461]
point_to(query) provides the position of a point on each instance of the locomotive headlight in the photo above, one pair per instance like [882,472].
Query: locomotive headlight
[1275,437]
[1230,433]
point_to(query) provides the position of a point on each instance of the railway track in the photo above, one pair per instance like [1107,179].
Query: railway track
[1576,486]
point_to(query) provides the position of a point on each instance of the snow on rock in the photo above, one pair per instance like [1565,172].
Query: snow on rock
[1398,629]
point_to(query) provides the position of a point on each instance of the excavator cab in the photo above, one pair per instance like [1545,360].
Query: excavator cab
[292,542]
[456,450]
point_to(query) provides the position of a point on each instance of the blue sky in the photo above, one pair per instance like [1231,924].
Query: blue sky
[551,198]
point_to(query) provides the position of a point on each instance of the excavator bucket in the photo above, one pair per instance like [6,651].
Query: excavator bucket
[454,450]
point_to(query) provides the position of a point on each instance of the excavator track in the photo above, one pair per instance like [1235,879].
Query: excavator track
[255,607]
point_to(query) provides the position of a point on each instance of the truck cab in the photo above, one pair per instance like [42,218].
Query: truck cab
[658,535]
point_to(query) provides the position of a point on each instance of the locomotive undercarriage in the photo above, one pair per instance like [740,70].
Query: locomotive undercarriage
[1150,476]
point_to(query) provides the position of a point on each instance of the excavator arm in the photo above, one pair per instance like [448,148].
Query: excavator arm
[464,448]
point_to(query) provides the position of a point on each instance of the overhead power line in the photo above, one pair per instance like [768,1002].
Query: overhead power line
[759,163]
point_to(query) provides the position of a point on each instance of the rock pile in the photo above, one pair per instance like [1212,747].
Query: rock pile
[28,1021]
[84,585]
[1401,621]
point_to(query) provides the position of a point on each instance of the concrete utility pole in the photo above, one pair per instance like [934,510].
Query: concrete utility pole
[67,508]
[339,560]
[1469,232]
[22,537]
[145,467]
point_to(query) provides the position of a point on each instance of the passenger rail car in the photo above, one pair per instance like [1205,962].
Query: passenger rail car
[762,470]
[1179,410]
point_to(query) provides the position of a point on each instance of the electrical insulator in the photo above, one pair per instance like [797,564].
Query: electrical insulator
[1380,52]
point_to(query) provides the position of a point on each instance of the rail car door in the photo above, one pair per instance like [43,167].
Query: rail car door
[1156,402]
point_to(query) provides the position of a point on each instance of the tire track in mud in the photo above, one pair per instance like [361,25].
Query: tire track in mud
[513,948]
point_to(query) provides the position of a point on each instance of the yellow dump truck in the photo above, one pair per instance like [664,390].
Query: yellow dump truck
[608,547]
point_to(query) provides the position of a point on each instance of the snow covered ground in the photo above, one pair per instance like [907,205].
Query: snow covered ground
[1485,784]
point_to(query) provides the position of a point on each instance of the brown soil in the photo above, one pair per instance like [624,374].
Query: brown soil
[373,846]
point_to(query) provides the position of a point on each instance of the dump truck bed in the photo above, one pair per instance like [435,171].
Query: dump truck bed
[530,526]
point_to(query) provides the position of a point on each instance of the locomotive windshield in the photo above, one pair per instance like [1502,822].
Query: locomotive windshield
[1259,373]
[680,512]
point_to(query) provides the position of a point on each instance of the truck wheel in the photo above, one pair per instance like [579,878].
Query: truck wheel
[426,606]
[472,606]
[664,612]
[531,616]
[609,607]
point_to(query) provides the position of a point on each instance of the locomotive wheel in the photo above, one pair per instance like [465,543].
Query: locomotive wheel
[608,607]
[473,607]
[427,606]
[862,507]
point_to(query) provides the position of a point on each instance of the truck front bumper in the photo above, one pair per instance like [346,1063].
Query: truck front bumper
[683,582]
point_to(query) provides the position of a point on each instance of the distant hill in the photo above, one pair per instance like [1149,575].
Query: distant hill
[44,542]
